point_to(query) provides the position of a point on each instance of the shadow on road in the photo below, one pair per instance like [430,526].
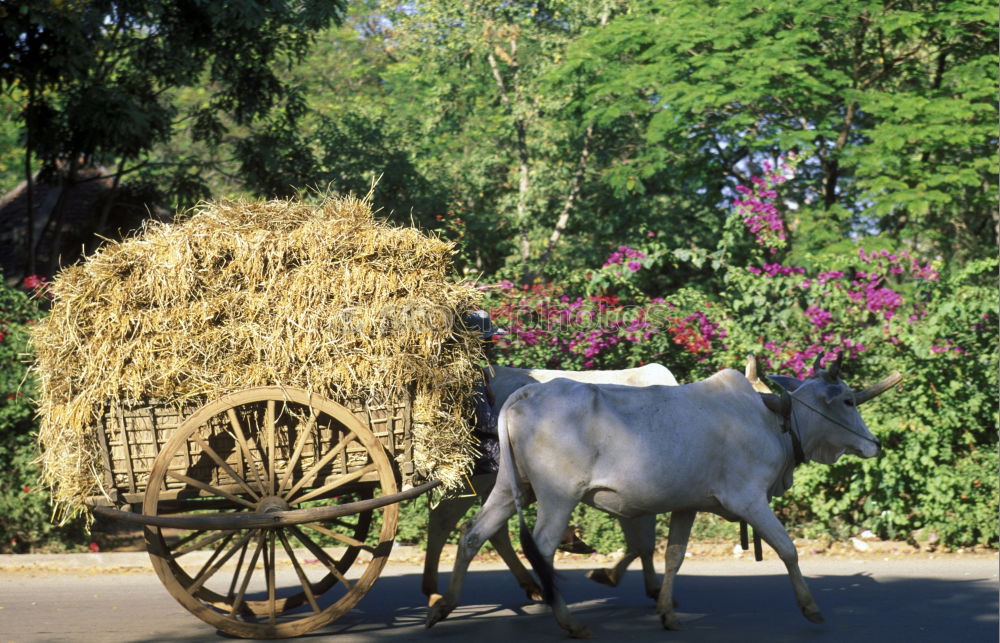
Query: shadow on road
[859,608]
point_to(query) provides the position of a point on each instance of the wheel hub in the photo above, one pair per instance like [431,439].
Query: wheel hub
[270,504]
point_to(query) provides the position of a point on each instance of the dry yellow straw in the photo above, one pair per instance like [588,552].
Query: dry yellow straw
[251,293]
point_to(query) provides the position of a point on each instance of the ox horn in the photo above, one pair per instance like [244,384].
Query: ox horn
[752,375]
[863,396]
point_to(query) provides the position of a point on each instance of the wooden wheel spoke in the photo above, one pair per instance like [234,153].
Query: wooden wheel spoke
[211,559]
[205,574]
[347,540]
[317,467]
[300,443]
[337,482]
[209,488]
[340,522]
[248,446]
[303,579]
[179,545]
[234,421]
[321,556]
[239,569]
[187,547]
[250,569]
[225,466]
[269,570]
[269,422]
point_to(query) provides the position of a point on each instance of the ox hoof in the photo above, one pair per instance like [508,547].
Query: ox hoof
[814,616]
[533,592]
[601,576]
[437,610]
[670,622]
[579,632]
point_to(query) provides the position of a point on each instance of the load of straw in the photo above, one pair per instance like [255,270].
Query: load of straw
[250,293]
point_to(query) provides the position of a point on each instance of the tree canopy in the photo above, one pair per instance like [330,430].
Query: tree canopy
[680,181]
[894,104]
[540,134]
[96,80]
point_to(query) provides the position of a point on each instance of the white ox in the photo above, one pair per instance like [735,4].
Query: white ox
[639,532]
[715,445]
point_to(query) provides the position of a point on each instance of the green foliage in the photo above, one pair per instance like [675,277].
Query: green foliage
[353,152]
[895,104]
[938,471]
[11,153]
[413,518]
[25,512]
[484,120]
[96,78]
[878,304]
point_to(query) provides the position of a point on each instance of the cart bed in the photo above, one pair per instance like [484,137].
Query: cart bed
[133,435]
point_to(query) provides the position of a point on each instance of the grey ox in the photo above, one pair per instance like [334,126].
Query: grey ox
[639,532]
[715,445]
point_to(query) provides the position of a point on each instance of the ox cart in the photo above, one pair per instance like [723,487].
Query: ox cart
[268,512]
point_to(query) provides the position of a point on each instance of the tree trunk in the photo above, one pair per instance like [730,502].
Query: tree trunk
[524,177]
[58,213]
[29,187]
[563,221]
[102,222]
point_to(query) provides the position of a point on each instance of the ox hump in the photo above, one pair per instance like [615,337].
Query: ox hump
[728,381]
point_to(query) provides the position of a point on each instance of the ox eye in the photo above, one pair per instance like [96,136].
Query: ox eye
[849,401]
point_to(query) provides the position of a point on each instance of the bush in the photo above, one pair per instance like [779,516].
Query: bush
[25,511]
[883,307]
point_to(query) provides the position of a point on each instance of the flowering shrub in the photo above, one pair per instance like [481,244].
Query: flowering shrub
[755,205]
[883,308]
[550,329]
[625,254]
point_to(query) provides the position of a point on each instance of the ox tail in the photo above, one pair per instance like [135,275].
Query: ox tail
[543,569]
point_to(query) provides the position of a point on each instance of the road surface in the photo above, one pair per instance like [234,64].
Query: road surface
[952,598]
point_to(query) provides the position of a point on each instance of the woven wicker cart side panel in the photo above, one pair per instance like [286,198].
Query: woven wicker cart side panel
[134,436]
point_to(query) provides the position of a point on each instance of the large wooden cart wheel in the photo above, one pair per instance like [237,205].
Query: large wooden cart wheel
[261,451]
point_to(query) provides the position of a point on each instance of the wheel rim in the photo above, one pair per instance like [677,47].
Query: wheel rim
[261,450]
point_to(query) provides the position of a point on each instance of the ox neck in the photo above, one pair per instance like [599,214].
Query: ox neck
[784,411]
[788,426]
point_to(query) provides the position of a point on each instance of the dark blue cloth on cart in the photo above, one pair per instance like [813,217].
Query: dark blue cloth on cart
[485,431]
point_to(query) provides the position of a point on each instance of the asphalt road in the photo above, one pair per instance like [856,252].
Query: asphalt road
[879,601]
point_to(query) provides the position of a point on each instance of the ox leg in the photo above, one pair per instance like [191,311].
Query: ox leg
[640,537]
[493,516]
[640,542]
[553,517]
[442,520]
[501,542]
[771,530]
[680,531]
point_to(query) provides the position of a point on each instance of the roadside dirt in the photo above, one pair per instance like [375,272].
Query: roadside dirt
[855,548]
[862,550]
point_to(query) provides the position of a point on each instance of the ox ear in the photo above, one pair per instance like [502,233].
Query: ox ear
[833,372]
[753,377]
[830,374]
[774,403]
[784,382]
[863,396]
